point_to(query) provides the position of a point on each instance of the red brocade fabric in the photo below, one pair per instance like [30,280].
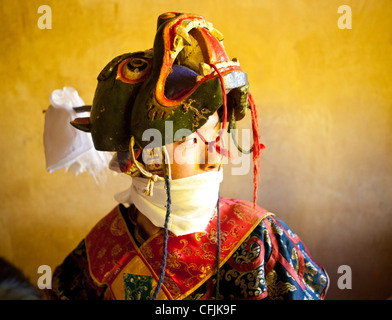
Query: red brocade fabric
[260,258]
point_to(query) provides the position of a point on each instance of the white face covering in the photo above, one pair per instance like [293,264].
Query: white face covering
[193,201]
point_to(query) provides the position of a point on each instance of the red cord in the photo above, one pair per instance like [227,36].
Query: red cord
[257,147]
[214,144]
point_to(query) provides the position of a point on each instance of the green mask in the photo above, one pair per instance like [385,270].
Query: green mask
[174,81]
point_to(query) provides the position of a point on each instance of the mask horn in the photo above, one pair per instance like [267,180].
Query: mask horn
[82,124]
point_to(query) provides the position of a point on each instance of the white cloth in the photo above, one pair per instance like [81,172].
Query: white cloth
[193,201]
[65,146]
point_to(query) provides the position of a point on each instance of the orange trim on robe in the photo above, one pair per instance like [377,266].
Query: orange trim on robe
[114,255]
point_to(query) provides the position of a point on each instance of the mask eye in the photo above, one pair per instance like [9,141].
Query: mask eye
[133,70]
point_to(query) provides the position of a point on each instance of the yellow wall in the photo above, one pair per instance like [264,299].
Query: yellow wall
[324,98]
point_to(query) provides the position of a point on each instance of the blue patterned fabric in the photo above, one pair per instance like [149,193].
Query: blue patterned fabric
[272,263]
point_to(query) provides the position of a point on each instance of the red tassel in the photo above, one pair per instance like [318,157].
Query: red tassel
[257,147]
